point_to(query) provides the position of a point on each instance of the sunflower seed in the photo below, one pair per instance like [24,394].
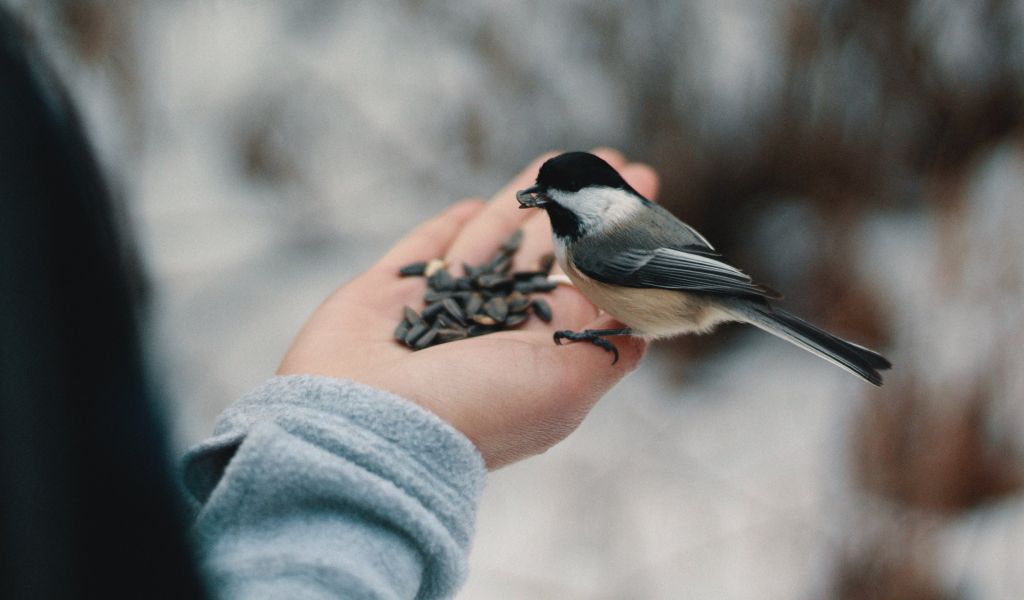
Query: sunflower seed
[517,302]
[432,310]
[441,281]
[474,303]
[483,319]
[514,320]
[477,330]
[401,330]
[542,309]
[433,296]
[496,308]
[412,317]
[414,333]
[455,310]
[546,262]
[512,244]
[416,268]
[528,275]
[488,298]
[451,334]
[426,339]
[543,284]
[492,281]
[500,265]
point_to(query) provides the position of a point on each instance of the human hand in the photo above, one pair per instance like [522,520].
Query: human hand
[513,393]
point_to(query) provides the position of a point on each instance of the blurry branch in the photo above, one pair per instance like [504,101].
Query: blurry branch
[896,564]
[934,454]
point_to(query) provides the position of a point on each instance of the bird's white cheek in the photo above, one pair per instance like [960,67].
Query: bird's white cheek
[561,253]
[599,208]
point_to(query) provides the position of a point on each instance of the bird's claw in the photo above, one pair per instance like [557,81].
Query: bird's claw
[588,335]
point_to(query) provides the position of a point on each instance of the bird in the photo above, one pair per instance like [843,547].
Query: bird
[654,273]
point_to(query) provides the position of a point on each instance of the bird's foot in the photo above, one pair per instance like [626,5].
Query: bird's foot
[595,337]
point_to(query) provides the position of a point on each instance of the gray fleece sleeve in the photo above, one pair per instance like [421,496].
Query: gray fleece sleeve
[313,487]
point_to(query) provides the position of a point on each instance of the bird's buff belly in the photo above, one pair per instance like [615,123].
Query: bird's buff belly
[650,312]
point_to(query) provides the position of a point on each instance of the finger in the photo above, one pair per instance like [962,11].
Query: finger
[536,242]
[570,309]
[431,239]
[611,156]
[643,178]
[501,217]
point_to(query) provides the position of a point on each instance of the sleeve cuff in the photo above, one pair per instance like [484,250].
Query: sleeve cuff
[387,437]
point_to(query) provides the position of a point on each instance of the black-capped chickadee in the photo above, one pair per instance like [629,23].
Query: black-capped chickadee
[656,274]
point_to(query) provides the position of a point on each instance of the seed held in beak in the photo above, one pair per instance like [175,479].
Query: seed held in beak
[530,197]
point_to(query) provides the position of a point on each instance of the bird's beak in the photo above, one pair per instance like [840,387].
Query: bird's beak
[531,197]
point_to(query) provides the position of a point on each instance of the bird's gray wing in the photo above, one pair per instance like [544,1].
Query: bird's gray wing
[693,270]
[660,228]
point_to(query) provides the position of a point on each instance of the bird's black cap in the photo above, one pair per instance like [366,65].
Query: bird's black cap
[573,171]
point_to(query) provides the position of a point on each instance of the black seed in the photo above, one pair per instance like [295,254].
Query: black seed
[492,281]
[542,309]
[442,281]
[546,262]
[512,244]
[432,310]
[488,298]
[415,332]
[528,275]
[416,268]
[517,302]
[401,330]
[474,303]
[496,308]
[451,334]
[514,320]
[500,264]
[542,284]
[455,310]
[426,339]
[483,319]
[411,316]
[433,296]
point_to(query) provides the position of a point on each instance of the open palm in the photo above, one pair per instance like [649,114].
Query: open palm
[513,393]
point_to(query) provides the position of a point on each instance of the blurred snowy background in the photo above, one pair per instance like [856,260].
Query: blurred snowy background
[865,157]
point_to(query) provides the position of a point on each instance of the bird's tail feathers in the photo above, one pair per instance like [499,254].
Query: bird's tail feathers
[856,359]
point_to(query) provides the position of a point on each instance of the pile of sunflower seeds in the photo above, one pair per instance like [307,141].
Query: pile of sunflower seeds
[488,298]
